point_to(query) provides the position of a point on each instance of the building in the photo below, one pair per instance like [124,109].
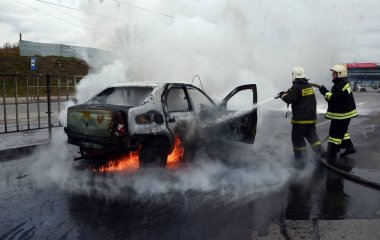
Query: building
[364,76]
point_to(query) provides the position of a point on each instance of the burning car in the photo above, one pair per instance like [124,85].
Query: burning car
[151,119]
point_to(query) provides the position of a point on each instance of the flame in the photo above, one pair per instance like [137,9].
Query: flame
[130,162]
[176,156]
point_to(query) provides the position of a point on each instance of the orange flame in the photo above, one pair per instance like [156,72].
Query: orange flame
[130,162]
[177,154]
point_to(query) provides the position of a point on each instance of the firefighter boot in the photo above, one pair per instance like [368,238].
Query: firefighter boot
[349,149]
[299,159]
[332,150]
[319,152]
[347,152]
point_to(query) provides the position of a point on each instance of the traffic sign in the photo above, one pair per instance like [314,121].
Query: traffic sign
[33,63]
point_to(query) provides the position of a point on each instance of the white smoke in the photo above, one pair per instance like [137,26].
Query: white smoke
[95,82]
[242,172]
[227,43]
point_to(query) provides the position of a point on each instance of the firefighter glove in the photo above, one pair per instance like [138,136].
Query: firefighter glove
[281,94]
[323,90]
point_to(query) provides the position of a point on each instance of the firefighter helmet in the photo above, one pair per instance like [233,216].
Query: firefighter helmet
[340,69]
[298,72]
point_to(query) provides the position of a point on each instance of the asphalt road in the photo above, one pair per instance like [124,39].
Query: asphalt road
[248,193]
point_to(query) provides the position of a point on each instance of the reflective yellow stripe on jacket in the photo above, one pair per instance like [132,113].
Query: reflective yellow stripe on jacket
[340,116]
[347,86]
[303,121]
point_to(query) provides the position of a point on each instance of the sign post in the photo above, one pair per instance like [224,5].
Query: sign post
[33,67]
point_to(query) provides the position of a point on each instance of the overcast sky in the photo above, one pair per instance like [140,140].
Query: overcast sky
[224,39]
[76,22]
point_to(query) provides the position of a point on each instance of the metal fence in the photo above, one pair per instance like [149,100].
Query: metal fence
[31,102]
[28,48]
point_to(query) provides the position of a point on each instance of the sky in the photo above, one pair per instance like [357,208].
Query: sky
[225,42]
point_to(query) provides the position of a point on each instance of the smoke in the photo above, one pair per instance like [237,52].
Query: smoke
[227,43]
[241,171]
[95,82]
[206,175]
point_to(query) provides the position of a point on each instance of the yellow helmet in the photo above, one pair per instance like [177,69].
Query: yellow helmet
[298,72]
[340,69]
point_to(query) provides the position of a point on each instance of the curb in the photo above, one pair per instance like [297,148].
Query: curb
[351,176]
[12,153]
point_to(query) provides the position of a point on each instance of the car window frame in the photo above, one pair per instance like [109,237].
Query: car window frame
[204,94]
[184,88]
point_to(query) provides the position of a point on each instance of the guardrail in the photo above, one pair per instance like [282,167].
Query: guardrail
[31,102]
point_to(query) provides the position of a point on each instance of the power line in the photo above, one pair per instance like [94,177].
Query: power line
[145,9]
[58,18]
[71,15]
[76,9]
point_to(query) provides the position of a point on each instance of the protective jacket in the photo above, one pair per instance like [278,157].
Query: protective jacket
[304,105]
[341,103]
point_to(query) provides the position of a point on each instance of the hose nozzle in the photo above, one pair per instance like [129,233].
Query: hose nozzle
[279,95]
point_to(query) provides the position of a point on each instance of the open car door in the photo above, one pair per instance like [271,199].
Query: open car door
[239,108]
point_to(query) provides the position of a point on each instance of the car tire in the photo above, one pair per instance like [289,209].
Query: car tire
[154,152]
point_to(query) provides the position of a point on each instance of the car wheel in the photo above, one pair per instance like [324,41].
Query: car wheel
[154,152]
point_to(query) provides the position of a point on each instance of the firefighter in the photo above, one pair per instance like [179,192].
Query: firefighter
[341,108]
[304,107]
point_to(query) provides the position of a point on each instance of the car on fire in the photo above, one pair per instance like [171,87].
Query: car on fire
[149,117]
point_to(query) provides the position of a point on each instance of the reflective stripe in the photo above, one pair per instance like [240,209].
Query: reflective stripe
[299,149]
[338,116]
[303,121]
[328,95]
[335,140]
[347,86]
[346,136]
[316,144]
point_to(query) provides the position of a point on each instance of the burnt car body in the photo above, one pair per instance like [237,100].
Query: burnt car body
[129,117]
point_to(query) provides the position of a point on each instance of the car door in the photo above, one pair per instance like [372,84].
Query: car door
[239,113]
[203,106]
[179,112]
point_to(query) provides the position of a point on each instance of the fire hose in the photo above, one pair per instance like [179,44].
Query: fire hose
[312,84]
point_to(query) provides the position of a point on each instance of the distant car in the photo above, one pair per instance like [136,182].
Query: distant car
[129,117]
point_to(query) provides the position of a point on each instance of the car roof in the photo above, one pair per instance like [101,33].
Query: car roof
[135,85]
[146,84]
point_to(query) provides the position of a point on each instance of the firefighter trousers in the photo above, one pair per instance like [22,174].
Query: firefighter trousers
[299,133]
[339,136]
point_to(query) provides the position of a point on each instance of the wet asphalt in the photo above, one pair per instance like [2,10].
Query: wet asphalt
[30,209]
